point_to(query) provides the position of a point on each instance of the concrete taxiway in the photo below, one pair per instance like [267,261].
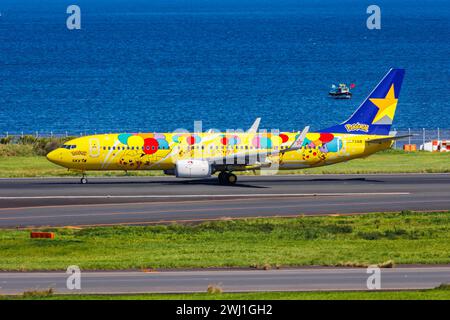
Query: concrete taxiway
[147,200]
[306,279]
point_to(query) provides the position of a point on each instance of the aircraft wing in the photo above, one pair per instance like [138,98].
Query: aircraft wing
[392,138]
[255,126]
[256,158]
[249,158]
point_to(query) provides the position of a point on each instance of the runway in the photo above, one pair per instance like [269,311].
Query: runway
[306,279]
[148,200]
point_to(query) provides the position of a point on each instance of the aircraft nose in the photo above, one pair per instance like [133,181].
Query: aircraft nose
[53,156]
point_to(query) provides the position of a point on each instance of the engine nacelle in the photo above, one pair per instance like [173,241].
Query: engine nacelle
[193,169]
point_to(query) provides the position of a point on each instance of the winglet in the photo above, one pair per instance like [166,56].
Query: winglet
[297,144]
[255,126]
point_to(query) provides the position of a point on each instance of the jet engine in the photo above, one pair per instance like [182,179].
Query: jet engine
[193,169]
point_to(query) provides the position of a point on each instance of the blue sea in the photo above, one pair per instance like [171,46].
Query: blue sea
[160,65]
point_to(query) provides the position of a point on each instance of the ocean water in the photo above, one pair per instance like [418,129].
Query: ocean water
[161,65]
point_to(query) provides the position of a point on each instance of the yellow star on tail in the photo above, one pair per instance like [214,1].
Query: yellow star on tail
[386,105]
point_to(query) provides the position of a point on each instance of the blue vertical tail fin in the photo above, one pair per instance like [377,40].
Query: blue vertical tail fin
[376,114]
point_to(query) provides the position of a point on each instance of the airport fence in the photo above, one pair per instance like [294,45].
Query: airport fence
[419,136]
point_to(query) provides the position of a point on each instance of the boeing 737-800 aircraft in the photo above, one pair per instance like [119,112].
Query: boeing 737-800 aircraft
[201,154]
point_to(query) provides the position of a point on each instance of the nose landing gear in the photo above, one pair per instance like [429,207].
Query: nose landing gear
[227,178]
[84,179]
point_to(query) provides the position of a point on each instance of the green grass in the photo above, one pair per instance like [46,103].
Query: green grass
[389,161]
[24,164]
[432,294]
[405,238]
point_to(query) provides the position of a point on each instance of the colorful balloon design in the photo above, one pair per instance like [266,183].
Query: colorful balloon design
[326,137]
[158,136]
[149,143]
[224,140]
[146,135]
[326,142]
[262,142]
[136,141]
[176,138]
[313,136]
[234,140]
[230,140]
[284,138]
[162,144]
[190,140]
[334,145]
[123,138]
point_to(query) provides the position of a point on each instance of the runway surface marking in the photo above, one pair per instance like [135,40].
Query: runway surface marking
[276,206]
[246,198]
[295,279]
[212,195]
[44,202]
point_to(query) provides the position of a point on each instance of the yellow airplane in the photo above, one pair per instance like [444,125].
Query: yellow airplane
[201,154]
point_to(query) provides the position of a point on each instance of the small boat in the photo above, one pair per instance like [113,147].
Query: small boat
[340,92]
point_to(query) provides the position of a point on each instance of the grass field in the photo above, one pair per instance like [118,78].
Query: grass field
[405,238]
[391,161]
[440,293]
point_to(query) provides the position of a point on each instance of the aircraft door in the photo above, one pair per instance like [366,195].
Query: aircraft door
[94,147]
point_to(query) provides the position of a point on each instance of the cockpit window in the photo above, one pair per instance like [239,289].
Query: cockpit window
[69,146]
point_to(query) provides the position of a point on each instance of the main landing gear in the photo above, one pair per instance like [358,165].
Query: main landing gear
[227,178]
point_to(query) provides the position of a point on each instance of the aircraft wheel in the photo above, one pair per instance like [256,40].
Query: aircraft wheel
[231,178]
[83,180]
[222,177]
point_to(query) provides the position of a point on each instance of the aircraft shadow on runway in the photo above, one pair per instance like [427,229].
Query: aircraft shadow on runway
[210,182]
[214,182]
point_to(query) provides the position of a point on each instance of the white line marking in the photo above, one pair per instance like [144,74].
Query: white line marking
[212,195]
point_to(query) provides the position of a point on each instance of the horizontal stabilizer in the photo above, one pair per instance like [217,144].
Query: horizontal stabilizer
[388,138]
